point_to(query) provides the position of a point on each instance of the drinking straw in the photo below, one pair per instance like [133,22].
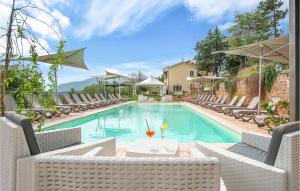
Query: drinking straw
[147,125]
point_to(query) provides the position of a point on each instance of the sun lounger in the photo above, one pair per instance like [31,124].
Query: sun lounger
[227,109]
[246,114]
[69,100]
[78,100]
[222,101]
[217,107]
[121,98]
[198,98]
[113,98]
[86,100]
[10,104]
[65,109]
[207,98]
[108,97]
[98,98]
[33,101]
[211,100]
[105,99]
[57,101]
[99,102]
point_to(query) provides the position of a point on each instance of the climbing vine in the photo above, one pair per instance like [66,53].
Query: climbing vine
[24,78]
[269,76]
[30,82]
[59,59]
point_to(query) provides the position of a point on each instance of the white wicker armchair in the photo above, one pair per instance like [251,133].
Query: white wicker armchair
[94,166]
[242,173]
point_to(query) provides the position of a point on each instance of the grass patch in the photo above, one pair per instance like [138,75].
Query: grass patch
[247,74]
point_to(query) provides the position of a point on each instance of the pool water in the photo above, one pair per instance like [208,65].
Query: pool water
[127,123]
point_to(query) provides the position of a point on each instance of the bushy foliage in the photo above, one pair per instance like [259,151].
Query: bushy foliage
[269,76]
[273,119]
[205,60]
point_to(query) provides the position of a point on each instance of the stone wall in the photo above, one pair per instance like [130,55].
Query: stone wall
[221,90]
[280,88]
[249,87]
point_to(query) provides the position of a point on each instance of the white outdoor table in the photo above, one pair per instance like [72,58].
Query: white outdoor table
[150,147]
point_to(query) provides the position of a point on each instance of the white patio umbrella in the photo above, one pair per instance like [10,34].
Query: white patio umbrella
[276,49]
[73,58]
[152,82]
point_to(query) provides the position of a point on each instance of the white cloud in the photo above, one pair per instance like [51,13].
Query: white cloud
[104,17]
[149,67]
[214,10]
[225,26]
[44,28]
[63,20]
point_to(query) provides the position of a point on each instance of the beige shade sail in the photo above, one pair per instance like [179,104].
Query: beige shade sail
[204,78]
[112,75]
[73,58]
[276,49]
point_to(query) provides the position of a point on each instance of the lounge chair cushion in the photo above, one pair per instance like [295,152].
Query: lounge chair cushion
[248,151]
[25,123]
[276,140]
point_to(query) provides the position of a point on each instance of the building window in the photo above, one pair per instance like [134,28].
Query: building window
[191,87]
[191,73]
[177,88]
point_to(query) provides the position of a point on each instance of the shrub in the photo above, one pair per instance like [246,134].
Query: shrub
[269,76]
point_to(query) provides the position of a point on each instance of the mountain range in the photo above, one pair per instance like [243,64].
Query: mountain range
[77,86]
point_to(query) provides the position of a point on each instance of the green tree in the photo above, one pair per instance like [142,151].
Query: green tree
[272,9]
[205,60]
[93,89]
[249,28]
[16,75]
[137,77]
[232,63]
[161,78]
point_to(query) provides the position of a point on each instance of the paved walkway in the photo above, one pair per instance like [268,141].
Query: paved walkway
[76,115]
[232,123]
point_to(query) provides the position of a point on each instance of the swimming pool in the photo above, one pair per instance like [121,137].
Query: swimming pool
[127,123]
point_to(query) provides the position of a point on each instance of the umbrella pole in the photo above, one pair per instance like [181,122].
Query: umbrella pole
[119,88]
[259,83]
[105,91]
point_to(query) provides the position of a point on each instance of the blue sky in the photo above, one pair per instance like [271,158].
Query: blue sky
[133,35]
